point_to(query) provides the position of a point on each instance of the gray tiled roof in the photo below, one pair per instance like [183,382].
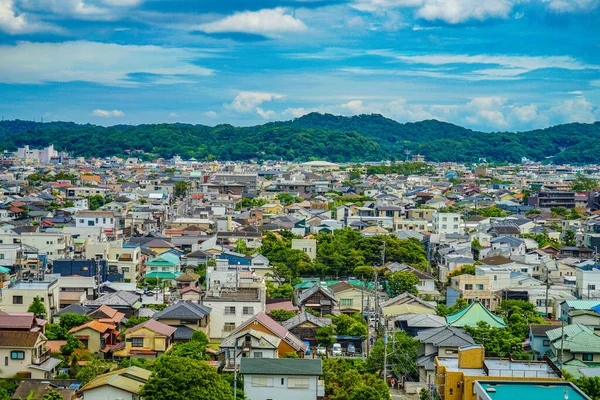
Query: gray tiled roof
[183,310]
[303,317]
[183,333]
[120,298]
[281,366]
[446,336]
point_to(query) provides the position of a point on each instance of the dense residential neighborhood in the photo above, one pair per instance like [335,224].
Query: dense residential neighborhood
[123,278]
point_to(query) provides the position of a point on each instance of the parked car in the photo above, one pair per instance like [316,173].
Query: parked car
[336,349]
[351,349]
[321,350]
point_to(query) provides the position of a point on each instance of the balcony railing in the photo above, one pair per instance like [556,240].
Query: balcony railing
[42,358]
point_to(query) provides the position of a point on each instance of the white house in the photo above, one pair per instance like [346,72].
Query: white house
[231,308]
[123,384]
[499,276]
[282,378]
[103,219]
[448,223]
[588,279]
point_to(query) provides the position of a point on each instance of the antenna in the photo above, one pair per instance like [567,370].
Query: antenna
[407,152]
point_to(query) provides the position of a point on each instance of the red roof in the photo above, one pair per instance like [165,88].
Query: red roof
[16,210]
[155,326]
[275,328]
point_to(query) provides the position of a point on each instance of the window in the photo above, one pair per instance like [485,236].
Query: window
[479,286]
[247,311]
[17,299]
[257,354]
[444,226]
[17,355]
[229,310]
[591,287]
[90,223]
[346,302]
[451,351]
[546,342]
[468,286]
[450,391]
[137,342]
[1,256]
[495,277]
[298,383]
[587,357]
[228,326]
[125,269]
[81,221]
[455,219]
[261,381]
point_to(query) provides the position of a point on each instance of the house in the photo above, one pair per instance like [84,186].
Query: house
[282,379]
[149,339]
[471,287]
[186,317]
[474,313]
[308,246]
[574,342]
[107,315]
[72,309]
[96,336]
[230,309]
[538,340]
[190,294]
[305,326]
[405,303]
[455,376]
[290,343]
[351,299]
[18,296]
[163,266]
[317,298]
[443,341]
[187,279]
[35,390]
[414,323]
[426,285]
[251,343]
[125,384]
[447,223]
[25,354]
[122,301]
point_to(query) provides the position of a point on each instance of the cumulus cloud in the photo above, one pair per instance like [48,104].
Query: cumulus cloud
[297,112]
[461,11]
[266,114]
[14,22]
[249,101]
[578,109]
[94,10]
[107,113]
[103,63]
[267,22]
[210,114]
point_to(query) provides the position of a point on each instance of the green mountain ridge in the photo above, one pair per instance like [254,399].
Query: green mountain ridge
[313,136]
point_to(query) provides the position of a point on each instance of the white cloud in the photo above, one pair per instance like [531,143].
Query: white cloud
[108,114]
[13,22]
[173,115]
[525,114]
[500,67]
[297,112]
[266,22]
[458,11]
[571,6]
[103,63]
[266,114]
[249,101]
[578,109]
[100,10]
[356,107]
[210,114]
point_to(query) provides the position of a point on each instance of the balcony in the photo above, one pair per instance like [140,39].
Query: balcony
[42,358]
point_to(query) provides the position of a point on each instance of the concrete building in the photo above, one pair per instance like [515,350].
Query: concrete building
[587,279]
[447,223]
[18,296]
[53,245]
[308,246]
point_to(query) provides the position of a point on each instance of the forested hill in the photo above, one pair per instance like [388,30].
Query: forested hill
[313,136]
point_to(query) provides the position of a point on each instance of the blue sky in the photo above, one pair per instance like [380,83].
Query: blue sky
[484,64]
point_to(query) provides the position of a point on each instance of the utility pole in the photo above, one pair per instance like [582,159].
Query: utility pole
[547,289]
[235,369]
[385,354]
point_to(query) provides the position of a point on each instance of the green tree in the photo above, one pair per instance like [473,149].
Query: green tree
[56,332]
[324,335]
[364,271]
[180,378]
[181,188]
[92,369]
[589,386]
[280,314]
[568,238]
[491,212]
[133,321]
[402,353]
[287,199]
[96,201]
[402,281]
[69,321]
[192,349]
[37,308]
[347,379]
[467,269]
[581,183]
[52,395]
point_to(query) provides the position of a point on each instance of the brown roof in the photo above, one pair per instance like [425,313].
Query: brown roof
[106,313]
[54,345]
[541,329]
[70,296]
[95,325]
[18,338]
[496,260]
[155,326]
[11,321]
[39,389]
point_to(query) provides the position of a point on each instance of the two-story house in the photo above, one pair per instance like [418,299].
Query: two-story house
[18,296]
[251,343]
[317,298]
[282,379]
[24,353]
[96,336]
[149,339]
[186,317]
[351,299]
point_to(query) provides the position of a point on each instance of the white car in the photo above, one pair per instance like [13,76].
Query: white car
[336,349]
[321,350]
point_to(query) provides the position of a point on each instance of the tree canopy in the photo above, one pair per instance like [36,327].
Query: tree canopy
[37,308]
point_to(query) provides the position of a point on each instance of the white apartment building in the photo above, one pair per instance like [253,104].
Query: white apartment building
[308,246]
[126,260]
[448,223]
[102,219]
[17,297]
[587,279]
[499,277]
[54,245]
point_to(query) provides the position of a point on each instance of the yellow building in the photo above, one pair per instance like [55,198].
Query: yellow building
[454,377]
[149,339]
[349,298]
[272,208]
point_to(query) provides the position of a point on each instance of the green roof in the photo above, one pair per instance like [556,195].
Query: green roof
[577,339]
[308,283]
[164,258]
[161,275]
[582,304]
[474,313]
[281,366]
[4,270]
